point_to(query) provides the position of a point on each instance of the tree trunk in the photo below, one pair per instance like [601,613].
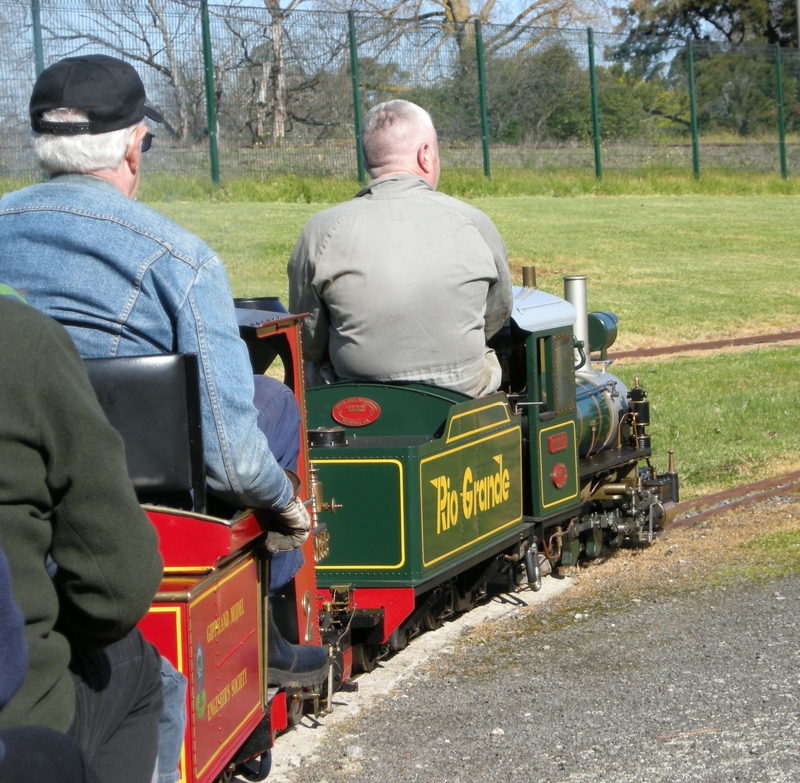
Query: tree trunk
[174,68]
[261,100]
[274,72]
[279,96]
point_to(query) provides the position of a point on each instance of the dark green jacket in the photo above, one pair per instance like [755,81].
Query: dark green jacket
[64,491]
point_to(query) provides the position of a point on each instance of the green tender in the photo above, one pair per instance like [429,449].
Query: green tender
[414,506]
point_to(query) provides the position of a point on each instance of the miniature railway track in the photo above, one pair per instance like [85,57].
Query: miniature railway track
[757,339]
[691,512]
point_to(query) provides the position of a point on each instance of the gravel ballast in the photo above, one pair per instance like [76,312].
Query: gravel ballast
[697,684]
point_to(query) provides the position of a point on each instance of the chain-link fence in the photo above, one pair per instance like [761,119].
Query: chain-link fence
[289,89]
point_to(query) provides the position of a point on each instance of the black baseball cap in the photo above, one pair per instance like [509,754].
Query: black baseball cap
[107,89]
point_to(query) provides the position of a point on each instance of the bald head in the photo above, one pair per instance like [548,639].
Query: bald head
[399,137]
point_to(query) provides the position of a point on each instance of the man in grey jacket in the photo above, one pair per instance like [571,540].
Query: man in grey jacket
[402,283]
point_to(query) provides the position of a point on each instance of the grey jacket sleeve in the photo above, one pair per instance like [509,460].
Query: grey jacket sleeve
[499,299]
[304,298]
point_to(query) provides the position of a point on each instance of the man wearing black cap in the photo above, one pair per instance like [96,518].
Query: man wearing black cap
[126,281]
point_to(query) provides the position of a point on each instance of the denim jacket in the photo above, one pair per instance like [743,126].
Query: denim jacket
[126,281]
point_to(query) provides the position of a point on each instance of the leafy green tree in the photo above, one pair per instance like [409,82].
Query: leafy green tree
[539,95]
[735,21]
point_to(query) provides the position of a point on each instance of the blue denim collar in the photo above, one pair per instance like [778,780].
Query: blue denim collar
[90,180]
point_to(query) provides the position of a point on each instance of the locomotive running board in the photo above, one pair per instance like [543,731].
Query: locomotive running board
[613,458]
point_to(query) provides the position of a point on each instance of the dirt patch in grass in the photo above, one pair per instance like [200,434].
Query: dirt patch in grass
[732,349]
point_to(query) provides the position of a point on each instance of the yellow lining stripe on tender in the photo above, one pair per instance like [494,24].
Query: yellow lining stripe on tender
[482,440]
[176,610]
[541,462]
[402,514]
[225,742]
[485,535]
[217,584]
[498,404]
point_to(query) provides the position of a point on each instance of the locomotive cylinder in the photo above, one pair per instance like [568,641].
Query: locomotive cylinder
[640,408]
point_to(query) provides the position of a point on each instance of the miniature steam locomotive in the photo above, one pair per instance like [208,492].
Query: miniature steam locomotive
[434,495]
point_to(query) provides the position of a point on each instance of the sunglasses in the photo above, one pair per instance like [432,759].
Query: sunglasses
[147,141]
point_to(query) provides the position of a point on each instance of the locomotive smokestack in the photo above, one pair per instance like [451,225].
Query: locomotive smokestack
[575,294]
[529,277]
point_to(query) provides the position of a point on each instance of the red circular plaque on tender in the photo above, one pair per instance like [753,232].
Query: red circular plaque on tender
[559,475]
[356,411]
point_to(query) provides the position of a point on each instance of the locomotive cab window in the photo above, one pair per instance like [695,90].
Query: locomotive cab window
[557,373]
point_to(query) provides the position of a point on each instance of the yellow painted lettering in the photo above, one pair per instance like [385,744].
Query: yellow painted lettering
[441,500]
[239,681]
[237,610]
[466,494]
[218,702]
[452,508]
[446,504]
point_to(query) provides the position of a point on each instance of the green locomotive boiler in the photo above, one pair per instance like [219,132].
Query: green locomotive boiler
[431,496]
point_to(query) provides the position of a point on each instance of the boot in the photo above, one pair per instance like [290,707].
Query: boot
[293,665]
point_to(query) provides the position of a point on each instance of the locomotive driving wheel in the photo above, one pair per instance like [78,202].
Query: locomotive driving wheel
[294,708]
[364,657]
[257,768]
[432,621]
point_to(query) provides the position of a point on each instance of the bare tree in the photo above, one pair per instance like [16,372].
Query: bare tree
[456,16]
[280,68]
[271,92]
[143,31]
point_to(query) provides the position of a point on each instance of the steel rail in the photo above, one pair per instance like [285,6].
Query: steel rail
[731,342]
[720,502]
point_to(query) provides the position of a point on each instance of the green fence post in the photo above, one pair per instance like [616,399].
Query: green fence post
[38,49]
[693,112]
[598,165]
[781,126]
[487,169]
[351,34]
[211,109]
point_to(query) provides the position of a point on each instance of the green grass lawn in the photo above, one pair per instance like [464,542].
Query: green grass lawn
[674,268]
[731,418]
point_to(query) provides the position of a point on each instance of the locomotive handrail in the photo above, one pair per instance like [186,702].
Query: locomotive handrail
[578,345]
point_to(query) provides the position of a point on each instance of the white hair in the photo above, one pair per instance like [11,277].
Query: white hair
[81,153]
[389,133]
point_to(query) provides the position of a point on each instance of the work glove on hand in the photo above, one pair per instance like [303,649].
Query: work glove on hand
[289,527]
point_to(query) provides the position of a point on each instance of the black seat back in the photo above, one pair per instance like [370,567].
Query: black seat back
[154,404]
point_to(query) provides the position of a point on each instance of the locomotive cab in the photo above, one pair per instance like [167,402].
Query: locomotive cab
[586,432]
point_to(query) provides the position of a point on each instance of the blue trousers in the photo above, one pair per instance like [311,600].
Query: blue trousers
[279,420]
